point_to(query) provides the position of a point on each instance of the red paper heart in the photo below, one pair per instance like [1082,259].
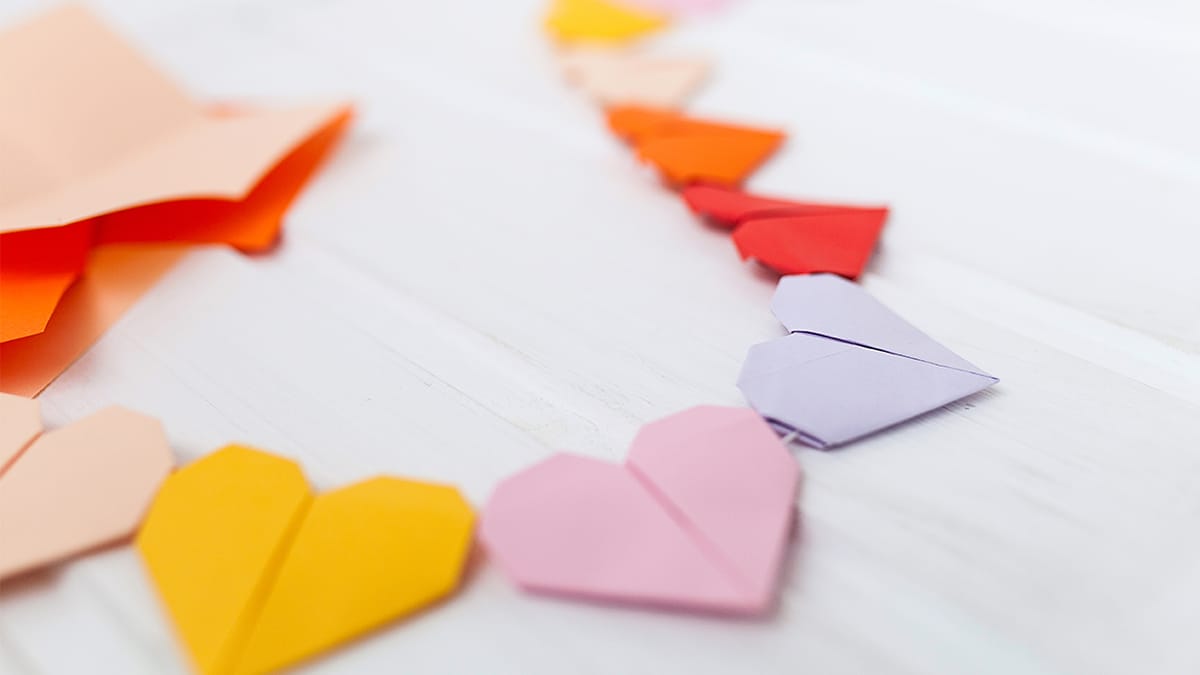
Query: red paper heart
[730,207]
[839,243]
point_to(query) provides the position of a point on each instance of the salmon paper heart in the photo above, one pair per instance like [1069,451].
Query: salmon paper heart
[74,489]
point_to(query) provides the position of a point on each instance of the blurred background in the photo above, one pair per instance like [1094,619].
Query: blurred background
[482,274]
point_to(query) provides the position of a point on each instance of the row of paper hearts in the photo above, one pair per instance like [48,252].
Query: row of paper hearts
[849,366]
[257,573]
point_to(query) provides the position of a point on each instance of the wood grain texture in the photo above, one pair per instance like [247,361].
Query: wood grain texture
[483,276]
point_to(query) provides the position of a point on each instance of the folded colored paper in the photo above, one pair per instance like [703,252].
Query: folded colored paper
[850,366]
[730,207]
[258,574]
[688,150]
[98,147]
[839,243]
[610,21]
[91,129]
[697,518]
[36,269]
[618,77]
[74,489]
[115,277]
[792,237]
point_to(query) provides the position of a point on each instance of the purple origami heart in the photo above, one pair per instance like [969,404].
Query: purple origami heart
[849,366]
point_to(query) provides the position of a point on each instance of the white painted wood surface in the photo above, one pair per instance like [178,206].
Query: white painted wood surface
[482,276]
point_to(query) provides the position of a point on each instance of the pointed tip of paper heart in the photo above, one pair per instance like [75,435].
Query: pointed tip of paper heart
[830,305]
[823,304]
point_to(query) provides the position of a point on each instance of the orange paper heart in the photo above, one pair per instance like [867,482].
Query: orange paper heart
[687,150]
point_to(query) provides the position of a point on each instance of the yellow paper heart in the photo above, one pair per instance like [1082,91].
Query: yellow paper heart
[599,21]
[257,574]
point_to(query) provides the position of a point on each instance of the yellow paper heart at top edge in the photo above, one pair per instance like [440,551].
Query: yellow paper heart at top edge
[258,575]
[599,21]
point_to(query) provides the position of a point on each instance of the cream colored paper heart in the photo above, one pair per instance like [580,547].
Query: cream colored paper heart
[618,77]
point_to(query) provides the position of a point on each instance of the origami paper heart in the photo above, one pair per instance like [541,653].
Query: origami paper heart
[74,489]
[839,243]
[258,574]
[792,237]
[616,77]
[850,366]
[687,150]
[599,21]
[697,518]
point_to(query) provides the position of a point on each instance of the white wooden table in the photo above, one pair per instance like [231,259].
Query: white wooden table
[482,275]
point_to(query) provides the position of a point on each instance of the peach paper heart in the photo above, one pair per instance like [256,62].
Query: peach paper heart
[73,489]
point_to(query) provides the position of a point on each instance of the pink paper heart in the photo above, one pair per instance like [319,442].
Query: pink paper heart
[697,518]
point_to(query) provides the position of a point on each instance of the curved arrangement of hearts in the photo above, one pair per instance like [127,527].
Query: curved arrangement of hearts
[255,570]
